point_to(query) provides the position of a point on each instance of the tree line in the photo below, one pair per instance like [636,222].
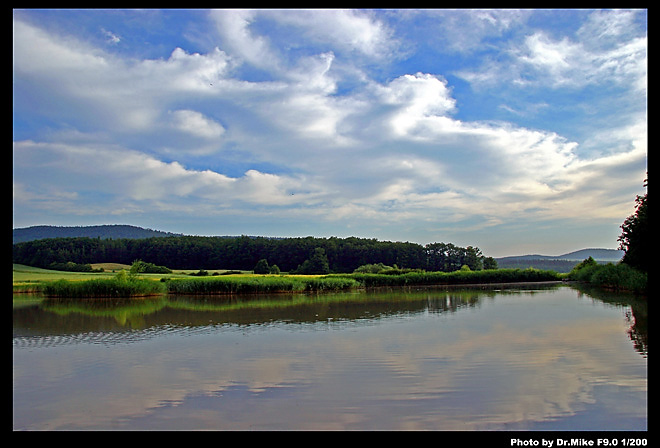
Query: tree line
[244,252]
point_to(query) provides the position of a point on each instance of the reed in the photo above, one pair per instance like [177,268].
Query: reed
[454,278]
[126,285]
[112,287]
[258,284]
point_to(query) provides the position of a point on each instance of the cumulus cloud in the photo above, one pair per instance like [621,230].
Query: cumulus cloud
[139,178]
[196,124]
[282,117]
[351,31]
[113,92]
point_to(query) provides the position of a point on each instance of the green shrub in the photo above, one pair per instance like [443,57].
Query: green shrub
[612,276]
[142,267]
[262,267]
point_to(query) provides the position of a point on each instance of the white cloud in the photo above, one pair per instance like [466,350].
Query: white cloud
[603,51]
[233,27]
[469,31]
[111,37]
[349,30]
[196,124]
[386,150]
[124,94]
[139,178]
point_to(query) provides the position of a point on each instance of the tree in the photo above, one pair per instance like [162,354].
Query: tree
[473,258]
[489,263]
[262,267]
[634,239]
[316,264]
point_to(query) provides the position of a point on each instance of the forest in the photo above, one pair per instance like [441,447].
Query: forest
[244,252]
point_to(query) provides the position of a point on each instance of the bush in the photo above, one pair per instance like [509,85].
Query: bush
[371,268]
[142,267]
[262,267]
[611,276]
[70,266]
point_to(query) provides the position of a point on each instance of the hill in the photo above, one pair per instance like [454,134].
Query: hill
[560,263]
[115,231]
[597,254]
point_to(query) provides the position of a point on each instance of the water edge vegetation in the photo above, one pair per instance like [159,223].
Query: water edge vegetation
[135,282]
[127,284]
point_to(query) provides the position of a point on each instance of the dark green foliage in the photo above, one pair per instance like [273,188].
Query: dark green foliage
[490,263]
[316,264]
[262,267]
[243,253]
[70,266]
[611,276]
[142,267]
[447,257]
[634,239]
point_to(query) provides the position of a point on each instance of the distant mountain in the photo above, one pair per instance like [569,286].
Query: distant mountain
[115,231]
[579,255]
[560,263]
[596,254]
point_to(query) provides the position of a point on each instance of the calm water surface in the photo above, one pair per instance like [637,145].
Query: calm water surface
[432,359]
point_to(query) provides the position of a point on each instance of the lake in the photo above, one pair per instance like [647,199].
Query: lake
[521,358]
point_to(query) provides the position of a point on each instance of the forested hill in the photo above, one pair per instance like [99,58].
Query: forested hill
[560,263]
[42,245]
[243,253]
[114,231]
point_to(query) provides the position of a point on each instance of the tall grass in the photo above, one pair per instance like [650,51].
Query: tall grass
[112,287]
[126,285]
[257,284]
[454,278]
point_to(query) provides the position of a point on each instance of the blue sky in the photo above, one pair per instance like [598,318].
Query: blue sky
[514,131]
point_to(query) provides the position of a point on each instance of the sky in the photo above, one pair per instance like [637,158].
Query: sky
[515,131]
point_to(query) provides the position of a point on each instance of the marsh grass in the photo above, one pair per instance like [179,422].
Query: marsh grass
[462,277]
[258,284]
[107,288]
